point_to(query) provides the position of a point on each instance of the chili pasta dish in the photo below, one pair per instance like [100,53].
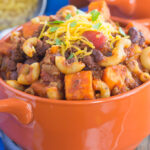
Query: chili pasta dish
[76,55]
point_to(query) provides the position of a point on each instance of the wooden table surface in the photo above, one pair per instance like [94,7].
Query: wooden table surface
[145,145]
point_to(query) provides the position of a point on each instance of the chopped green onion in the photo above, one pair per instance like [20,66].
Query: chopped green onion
[121,31]
[58,42]
[80,12]
[73,24]
[53,29]
[57,22]
[71,56]
[96,26]
[68,16]
[95,13]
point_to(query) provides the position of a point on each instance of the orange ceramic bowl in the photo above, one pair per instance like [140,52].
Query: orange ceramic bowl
[115,123]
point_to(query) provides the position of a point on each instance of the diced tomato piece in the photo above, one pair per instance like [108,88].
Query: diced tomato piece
[97,38]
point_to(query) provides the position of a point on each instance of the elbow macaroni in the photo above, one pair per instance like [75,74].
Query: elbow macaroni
[66,68]
[63,12]
[118,53]
[134,67]
[15,36]
[54,93]
[144,77]
[40,19]
[29,46]
[145,58]
[15,84]
[29,73]
[101,86]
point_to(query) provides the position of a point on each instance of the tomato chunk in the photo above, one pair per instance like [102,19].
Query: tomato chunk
[97,38]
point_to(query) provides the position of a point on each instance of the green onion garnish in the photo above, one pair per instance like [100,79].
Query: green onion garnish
[68,16]
[73,24]
[96,26]
[71,56]
[121,31]
[53,29]
[58,42]
[95,13]
[57,22]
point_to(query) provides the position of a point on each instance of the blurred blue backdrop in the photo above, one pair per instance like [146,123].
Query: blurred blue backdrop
[54,5]
[1,145]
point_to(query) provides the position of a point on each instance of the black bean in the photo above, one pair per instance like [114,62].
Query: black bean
[98,56]
[134,35]
[142,39]
[109,53]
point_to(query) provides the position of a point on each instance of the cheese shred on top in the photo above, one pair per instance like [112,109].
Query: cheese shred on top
[71,31]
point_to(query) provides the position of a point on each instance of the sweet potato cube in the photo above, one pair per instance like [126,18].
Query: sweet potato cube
[115,76]
[78,86]
[29,29]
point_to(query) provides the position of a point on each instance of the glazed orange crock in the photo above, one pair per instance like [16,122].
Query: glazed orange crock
[115,123]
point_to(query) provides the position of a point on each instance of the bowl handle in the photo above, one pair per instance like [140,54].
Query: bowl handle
[18,108]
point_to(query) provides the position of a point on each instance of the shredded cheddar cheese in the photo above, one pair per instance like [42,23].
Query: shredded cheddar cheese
[71,31]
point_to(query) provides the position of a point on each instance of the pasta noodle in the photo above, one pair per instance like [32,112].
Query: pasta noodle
[15,12]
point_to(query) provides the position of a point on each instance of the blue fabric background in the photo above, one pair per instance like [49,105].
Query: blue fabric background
[1,145]
[54,5]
